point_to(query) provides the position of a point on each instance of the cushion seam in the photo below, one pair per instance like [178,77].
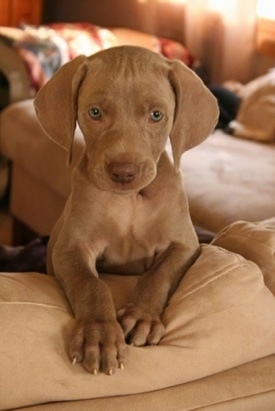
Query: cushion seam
[228,271]
[235,399]
[56,307]
[255,240]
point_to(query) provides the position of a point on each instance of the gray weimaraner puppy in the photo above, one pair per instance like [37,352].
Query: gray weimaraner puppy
[127,212]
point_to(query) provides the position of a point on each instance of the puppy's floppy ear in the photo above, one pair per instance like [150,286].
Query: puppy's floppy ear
[56,103]
[196,112]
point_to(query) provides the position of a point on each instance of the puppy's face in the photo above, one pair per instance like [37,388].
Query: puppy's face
[127,101]
[125,111]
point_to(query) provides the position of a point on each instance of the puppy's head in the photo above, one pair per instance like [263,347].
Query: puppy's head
[127,101]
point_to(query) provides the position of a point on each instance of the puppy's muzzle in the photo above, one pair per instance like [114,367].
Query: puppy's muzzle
[122,173]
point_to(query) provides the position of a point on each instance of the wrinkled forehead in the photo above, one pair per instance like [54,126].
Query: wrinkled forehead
[142,73]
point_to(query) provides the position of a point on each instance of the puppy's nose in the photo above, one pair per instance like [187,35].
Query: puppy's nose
[122,172]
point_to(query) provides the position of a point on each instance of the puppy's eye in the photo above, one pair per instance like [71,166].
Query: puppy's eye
[156,115]
[95,113]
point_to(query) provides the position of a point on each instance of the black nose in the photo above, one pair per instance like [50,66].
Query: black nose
[122,172]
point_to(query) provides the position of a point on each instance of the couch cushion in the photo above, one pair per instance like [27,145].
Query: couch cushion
[249,387]
[221,316]
[254,241]
[229,179]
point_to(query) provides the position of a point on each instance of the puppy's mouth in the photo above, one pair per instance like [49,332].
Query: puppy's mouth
[124,177]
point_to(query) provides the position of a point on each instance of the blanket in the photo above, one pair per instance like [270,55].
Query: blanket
[45,48]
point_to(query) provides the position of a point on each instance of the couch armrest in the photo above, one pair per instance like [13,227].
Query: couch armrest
[15,72]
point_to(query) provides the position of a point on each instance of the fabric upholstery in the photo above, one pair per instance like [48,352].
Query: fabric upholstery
[229,179]
[220,317]
[254,241]
[22,139]
[249,387]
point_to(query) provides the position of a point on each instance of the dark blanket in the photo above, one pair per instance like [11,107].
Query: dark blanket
[32,256]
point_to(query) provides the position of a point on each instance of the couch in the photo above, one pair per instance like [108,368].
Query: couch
[218,351]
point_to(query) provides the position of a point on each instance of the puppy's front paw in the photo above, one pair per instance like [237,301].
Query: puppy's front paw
[140,326]
[98,345]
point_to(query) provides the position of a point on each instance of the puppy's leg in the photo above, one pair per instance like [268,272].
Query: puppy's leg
[140,319]
[97,339]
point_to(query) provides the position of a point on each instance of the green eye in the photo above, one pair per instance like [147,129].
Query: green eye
[156,115]
[95,113]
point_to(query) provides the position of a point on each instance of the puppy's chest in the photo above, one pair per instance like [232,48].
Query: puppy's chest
[134,239]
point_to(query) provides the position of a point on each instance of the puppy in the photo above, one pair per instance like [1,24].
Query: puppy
[127,212]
